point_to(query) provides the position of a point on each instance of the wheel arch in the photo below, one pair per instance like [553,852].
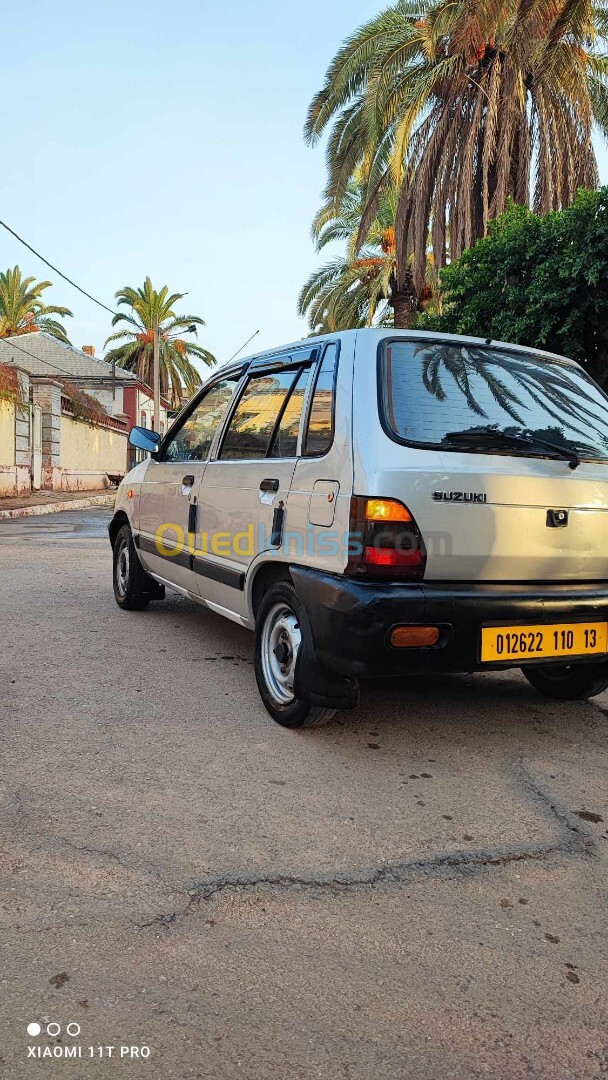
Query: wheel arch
[312,684]
[119,519]
[265,575]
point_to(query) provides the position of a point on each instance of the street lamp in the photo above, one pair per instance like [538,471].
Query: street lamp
[189,330]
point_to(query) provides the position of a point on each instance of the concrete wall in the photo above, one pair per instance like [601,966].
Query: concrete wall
[7,433]
[15,451]
[113,405]
[76,455]
[88,452]
[46,392]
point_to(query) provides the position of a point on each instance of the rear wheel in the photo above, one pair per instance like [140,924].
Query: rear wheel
[278,637]
[133,588]
[568,681]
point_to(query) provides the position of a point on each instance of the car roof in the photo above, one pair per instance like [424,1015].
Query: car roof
[372,333]
[377,333]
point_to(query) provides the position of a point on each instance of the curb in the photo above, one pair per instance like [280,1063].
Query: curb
[57,507]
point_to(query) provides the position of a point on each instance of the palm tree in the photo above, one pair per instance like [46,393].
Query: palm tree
[454,103]
[149,308]
[357,289]
[352,290]
[343,296]
[21,309]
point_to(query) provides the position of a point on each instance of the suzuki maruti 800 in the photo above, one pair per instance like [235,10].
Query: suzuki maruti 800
[381,502]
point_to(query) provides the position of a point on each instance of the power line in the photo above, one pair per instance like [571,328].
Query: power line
[56,270]
[84,292]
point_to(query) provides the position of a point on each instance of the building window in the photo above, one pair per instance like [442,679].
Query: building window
[143,419]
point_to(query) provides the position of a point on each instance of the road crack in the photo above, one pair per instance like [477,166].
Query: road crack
[384,874]
[127,861]
[574,838]
[570,841]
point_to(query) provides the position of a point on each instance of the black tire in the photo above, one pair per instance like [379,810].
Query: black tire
[568,682]
[133,588]
[271,677]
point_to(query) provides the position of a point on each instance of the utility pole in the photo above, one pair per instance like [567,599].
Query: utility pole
[156,377]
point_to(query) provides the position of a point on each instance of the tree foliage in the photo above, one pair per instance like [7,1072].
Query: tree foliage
[149,308]
[463,105]
[352,290]
[358,288]
[22,311]
[539,281]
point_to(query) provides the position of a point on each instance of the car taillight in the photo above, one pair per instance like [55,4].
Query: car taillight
[385,541]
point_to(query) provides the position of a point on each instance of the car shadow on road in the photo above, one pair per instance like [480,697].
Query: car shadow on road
[479,707]
[483,707]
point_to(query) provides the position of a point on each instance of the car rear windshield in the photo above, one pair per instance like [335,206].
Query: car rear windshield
[441,394]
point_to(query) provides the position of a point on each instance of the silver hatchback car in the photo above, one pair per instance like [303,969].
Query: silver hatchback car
[381,502]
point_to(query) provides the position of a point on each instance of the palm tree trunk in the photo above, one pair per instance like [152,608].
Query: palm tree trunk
[404,308]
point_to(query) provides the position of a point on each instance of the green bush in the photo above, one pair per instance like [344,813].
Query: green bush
[540,281]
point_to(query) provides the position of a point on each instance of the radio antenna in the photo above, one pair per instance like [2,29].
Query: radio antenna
[242,346]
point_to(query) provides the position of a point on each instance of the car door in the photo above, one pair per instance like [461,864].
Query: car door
[321,487]
[243,494]
[169,493]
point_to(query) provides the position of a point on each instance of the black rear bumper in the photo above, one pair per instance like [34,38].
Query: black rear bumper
[351,620]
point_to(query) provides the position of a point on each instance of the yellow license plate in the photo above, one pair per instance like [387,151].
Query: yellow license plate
[542,642]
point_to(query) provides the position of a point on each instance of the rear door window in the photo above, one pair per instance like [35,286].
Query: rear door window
[320,428]
[285,441]
[254,419]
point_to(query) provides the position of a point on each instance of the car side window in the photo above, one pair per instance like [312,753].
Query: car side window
[254,419]
[285,441]
[193,440]
[320,429]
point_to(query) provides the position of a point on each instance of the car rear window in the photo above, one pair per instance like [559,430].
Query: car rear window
[431,390]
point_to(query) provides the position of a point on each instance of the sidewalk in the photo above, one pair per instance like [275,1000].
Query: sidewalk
[51,502]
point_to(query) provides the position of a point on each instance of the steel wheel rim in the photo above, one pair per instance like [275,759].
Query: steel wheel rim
[281,640]
[122,568]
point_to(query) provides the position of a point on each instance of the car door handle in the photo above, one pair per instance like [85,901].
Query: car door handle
[188,481]
[192,512]
[269,485]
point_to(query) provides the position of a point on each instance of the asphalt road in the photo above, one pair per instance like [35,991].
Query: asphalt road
[417,890]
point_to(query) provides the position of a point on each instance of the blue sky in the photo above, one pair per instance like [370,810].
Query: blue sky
[166,139]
